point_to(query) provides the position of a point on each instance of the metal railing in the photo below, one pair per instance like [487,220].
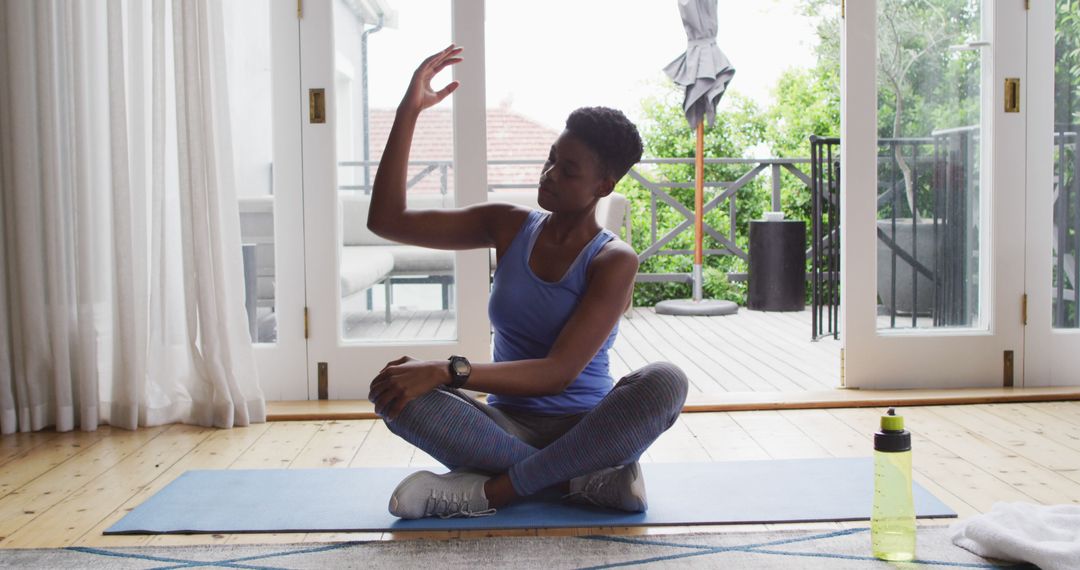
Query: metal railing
[925,184]
[938,173]
[929,184]
[658,194]
[825,237]
[428,166]
[947,194]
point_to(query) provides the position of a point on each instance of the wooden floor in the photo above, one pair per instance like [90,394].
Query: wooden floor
[751,351]
[65,489]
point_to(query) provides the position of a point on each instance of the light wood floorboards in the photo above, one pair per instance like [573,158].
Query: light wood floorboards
[65,489]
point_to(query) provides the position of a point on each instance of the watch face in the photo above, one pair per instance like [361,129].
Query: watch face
[462,367]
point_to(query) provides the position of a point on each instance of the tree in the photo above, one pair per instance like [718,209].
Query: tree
[805,102]
[1067,63]
[924,83]
[910,33]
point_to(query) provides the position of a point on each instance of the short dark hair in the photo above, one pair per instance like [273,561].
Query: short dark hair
[610,134]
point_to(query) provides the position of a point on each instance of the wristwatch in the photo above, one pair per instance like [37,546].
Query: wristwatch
[459,371]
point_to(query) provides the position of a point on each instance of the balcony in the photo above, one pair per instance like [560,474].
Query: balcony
[752,351]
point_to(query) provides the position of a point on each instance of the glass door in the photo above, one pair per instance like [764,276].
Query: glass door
[371,300]
[262,58]
[932,167]
[1053,217]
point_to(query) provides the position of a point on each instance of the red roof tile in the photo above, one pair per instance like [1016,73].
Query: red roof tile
[510,136]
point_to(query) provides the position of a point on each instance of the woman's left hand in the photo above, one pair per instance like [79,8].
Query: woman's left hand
[404,379]
[420,94]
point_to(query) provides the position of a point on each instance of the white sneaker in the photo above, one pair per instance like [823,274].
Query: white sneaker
[620,488]
[459,493]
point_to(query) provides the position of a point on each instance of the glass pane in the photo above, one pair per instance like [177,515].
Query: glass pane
[929,226]
[247,37]
[785,90]
[390,291]
[1066,238]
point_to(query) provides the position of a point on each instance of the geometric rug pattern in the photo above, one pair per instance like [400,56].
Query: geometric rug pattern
[842,549]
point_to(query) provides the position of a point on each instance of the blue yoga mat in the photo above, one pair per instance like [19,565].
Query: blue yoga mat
[333,500]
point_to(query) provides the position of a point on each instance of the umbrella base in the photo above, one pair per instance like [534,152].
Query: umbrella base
[689,307]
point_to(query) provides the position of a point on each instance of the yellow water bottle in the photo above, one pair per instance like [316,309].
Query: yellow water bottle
[892,521]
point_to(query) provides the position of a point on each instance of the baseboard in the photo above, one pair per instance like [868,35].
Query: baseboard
[855,398]
[305,410]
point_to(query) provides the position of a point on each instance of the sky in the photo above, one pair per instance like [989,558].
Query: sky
[546,58]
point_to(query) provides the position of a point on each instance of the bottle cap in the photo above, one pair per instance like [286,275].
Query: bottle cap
[892,422]
[892,437]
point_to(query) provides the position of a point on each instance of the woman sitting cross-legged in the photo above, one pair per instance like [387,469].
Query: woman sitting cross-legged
[553,417]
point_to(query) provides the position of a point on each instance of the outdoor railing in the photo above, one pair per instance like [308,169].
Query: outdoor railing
[825,237]
[918,277]
[944,170]
[929,187]
[658,194]
[441,166]
[938,173]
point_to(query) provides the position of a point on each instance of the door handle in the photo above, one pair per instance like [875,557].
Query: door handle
[1012,94]
[969,46]
[317,105]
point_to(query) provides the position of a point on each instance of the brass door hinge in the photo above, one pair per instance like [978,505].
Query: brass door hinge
[843,379]
[299,9]
[1027,4]
[324,381]
[843,8]
[1007,370]
[305,322]
[1023,309]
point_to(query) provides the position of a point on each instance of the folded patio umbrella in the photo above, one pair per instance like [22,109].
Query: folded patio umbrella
[704,72]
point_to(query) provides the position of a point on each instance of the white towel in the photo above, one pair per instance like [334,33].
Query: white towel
[1047,536]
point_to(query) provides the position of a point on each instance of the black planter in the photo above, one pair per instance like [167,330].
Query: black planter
[777,266]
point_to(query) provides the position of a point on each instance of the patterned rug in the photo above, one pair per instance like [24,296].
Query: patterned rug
[793,549]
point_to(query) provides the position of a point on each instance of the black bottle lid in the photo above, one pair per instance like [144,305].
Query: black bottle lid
[893,437]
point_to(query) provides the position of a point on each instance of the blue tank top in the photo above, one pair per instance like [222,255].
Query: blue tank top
[528,313]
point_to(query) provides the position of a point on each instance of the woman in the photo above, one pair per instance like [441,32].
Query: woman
[562,283]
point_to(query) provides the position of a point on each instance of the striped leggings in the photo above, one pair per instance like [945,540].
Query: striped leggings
[541,451]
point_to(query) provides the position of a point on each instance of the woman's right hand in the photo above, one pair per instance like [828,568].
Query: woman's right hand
[420,95]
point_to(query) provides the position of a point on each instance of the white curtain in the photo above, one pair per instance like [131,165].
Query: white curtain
[121,287]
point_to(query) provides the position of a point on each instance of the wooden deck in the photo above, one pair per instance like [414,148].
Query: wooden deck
[752,351]
[59,490]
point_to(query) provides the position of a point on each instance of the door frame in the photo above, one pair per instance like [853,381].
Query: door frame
[351,366]
[958,358]
[282,364]
[1053,354]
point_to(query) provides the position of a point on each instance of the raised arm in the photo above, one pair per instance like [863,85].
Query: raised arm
[388,216]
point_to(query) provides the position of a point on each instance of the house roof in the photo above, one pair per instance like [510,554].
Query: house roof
[510,136]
